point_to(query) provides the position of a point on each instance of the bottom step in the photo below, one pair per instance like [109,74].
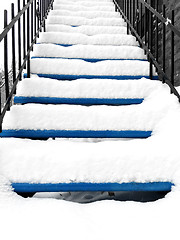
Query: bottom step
[78,187]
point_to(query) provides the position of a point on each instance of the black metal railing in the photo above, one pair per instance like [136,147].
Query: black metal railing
[24,29]
[149,24]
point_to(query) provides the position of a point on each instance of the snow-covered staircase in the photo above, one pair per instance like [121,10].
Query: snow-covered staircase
[89,79]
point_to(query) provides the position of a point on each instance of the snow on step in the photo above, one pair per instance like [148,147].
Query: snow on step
[81,118]
[86,14]
[73,69]
[88,30]
[86,3]
[79,38]
[77,21]
[63,161]
[84,89]
[79,7]
[88,52]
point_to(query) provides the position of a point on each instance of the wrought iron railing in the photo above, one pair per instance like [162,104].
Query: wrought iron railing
[30,20]
[149,26]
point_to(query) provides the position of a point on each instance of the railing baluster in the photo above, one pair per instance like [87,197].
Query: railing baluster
[172,49]
[6,58]
[157,33]
[24,33]
[13,46]
[164,42]
[32,22]
[19,40]
[28,42]
[35,27]
[127,16]
[150,41]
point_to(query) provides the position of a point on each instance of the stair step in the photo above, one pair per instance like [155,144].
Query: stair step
[77,21]
[86,3]
[78,187]
[86,14]
[84,92]
[68,69]
[65,164]
[91,53]
[33,120]
[62,38]
[87,30]
[76,7]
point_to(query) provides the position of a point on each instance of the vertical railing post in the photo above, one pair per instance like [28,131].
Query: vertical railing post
[13,46]
[127,15]
[24,33]
[19,40]
[150,41]
[28,42]
[164,42]
[172,49]
[6,58]
[32,22]
[157,33]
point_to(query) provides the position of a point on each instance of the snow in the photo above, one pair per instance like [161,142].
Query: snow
[79,38]
[52,217]
[86,3]
[88,30]
[79,67]
[86,14]
[89,51]
[88,161]
[83,88]
[80,7]
[77,21]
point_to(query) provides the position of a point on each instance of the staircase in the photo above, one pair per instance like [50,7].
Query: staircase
[88,100]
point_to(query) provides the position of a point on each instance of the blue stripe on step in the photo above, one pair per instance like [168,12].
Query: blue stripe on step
[92,59]
[79,101]
[77,187]
[74,134]
[74,77]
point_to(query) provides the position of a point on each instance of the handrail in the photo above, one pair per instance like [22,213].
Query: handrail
[39,10]
[146,44]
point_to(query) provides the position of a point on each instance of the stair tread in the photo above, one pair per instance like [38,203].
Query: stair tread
[89,52]
[76,7]
[76,67]
[79,38]
[63,161]
[76,21]
[85,29]
[86,14]
[83,88]
[143,117]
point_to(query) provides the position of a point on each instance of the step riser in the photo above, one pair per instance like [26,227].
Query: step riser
[75,77]
[77,101]
[38,134]
[77,187]
[90,60]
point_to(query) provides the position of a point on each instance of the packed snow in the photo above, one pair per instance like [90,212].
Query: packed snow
[77,67]
[88,30]
[88,52]
[85,14]
[76,7]
[83,88]
[79,38]
[77,21]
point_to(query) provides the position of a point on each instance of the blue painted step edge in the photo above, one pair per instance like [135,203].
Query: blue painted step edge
[81,186]
[91,59]
[74,77]
[74,134]
[78,101]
